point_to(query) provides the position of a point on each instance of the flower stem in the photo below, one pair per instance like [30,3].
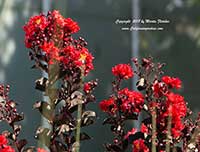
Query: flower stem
[153,147]
[78,127]
[51,92]
[79,114]
[169,124]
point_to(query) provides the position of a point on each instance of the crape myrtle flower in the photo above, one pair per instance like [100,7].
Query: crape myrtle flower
[41,150]
[159,89]
[172,82]
[177,109]
[7,148]
[87,87]
[3,140]
[108,106]
[139,146]
[35,25]
[71,26]
[74,57]
[4,147]
[123,71]
[174,106]
[50,39]
[132,101]
[144,128]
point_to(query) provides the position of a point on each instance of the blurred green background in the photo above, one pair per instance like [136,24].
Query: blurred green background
[178,45]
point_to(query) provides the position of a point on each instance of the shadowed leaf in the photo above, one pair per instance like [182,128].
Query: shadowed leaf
[88,118]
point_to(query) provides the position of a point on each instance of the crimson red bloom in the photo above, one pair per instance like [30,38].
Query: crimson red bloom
[57,18]
[7,149]
[87,87]
[172,82]
[72,56]
[176,108]
[139,146]
[144,128]
[3,140]
[71,26]
[36,24]
[50,38]
[41,150]
[176,105]
[86,59]
[51,51]
[132,101]
[3,145]
[159,89]
[123,71]
[108,106]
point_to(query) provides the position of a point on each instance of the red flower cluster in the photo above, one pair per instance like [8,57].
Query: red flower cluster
[71,26]
[41,150]
[41,27]
[50,36]
[159,89]
[144,128]
[87,87]
[3,145]
[3,140]
[176,108]
[123,71]
[80,57]
[35,25]
[164,110]
[139,146]
[108,106]
[172,82]
[132,101]
[51,51]
[174,105]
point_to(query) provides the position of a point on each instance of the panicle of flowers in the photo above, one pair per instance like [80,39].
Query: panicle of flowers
[108,106]
[157,98]
[65,62]
[131,101]
[123,71]
[124,104]
[172,82]
[50,40]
